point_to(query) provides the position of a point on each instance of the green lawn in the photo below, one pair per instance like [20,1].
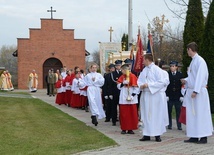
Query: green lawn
[31,126]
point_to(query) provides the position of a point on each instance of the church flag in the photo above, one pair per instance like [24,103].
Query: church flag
[132,57]
[138,66]
[149,45]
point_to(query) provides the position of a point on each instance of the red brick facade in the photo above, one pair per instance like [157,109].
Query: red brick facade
[51,41]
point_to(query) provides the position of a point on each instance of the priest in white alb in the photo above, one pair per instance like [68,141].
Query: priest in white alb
[94,81]
[198,114]
[153,100]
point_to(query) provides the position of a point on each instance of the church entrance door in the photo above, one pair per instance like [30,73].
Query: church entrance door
[49,64]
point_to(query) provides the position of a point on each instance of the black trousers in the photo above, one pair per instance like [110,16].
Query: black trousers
[48,89]
[177,104]
[108,108]
[114,107]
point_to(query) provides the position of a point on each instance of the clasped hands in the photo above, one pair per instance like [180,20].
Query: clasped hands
[144,86]
[93,79]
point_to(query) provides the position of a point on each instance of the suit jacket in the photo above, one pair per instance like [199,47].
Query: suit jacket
[110,85]
[174,88]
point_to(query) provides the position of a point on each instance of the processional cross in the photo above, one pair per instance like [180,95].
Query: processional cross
[51,11]
[110,30]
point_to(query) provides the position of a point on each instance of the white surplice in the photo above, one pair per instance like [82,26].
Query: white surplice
[75,86]
[153,100]
[198,114]
[94,93]
[125,92]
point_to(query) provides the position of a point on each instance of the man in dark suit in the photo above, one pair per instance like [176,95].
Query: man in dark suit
[107,93]
[173,93]
[113,91]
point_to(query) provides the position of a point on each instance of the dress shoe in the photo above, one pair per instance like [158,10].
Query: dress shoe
[107,120]
[169,127]
[86,109]
[157,138]
[179,128]
[94,120]
[203,140]
[113,124]
[130,132]
[191,140]
[145,138]
[123,132]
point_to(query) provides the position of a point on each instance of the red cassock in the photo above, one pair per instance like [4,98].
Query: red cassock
[68,93]
[182,118]
[83,100]
[128,112]
[75,101]
[83,97]
[128,116]
[60,95]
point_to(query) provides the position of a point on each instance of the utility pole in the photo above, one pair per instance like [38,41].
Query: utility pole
[130,25]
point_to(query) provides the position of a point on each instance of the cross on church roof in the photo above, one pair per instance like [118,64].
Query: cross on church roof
[51,12]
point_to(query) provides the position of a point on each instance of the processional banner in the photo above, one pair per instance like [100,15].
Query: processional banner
[106,49]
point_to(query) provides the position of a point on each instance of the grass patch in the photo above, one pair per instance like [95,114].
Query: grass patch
[31,126]
[14,92]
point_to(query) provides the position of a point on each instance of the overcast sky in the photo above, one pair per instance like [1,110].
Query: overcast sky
[91,19]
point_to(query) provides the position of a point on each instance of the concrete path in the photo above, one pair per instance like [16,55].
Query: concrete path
[172,141]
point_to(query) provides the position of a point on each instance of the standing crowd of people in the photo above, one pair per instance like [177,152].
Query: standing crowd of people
[147,98]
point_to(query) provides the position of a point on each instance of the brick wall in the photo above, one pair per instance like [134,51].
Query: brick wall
[51,41]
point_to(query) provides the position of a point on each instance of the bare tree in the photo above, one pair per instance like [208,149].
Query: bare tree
[180,12]
[171,46]
[96,57]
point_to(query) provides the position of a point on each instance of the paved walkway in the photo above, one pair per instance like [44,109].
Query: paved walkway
[172,141]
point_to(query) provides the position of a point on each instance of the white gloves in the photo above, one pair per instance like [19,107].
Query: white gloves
[167,98]
[111,97]
[132,98]
[125,82]
[181,99]
[106,97]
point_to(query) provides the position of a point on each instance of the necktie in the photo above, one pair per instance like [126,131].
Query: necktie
[173,73]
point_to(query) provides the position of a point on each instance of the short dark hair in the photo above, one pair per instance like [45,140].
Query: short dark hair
[193,46]
[75,68]
[149,57]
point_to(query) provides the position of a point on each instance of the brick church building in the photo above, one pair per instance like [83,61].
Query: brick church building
[48,47]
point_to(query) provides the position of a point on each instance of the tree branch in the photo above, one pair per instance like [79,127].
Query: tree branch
[174,12]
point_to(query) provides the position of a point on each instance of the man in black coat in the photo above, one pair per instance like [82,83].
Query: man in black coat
[107,93]
[113,91]
[173,93]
